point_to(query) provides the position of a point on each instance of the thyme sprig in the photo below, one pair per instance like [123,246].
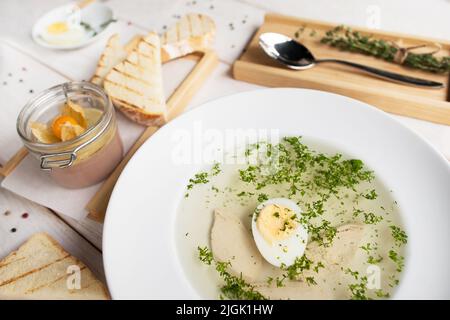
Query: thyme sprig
[346,39]
[89,28]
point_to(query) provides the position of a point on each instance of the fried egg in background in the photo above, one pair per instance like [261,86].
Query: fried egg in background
[64,33]
[69,27]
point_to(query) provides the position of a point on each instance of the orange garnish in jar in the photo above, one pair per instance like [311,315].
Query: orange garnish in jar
[59,121]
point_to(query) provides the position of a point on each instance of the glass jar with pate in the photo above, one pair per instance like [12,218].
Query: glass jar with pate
[71,130]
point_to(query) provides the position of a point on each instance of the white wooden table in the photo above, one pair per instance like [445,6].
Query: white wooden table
[19,218]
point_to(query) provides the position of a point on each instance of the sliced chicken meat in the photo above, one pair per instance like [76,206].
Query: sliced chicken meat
[231,241]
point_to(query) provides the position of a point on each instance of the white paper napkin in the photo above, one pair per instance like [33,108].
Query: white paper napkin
[21,78]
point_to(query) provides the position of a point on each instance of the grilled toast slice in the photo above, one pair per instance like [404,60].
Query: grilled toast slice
[193,32]
[40,269]
[113,54]
[135,84]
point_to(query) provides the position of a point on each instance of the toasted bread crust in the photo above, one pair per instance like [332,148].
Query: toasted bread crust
[113,54]
[135,84]
[112,46]
[139,115]
[38,270]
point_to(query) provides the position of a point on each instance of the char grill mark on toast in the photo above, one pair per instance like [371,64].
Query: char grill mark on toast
[142,54]
[39,264]
[149,44]
[127,103]
[32,290]
[191,31]
[131,76]
[33,271]
[127,61]
[133,92]
[2,265]
[136,83]
[177,27]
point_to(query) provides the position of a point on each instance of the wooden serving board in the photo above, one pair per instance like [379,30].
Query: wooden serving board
[13,162]
[206,62]
[426,104]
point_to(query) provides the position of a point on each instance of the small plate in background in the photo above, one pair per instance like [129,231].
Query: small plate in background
[95,19]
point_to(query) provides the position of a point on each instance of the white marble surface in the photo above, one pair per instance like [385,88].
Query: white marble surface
[426,18]
[20,80]
[83,237]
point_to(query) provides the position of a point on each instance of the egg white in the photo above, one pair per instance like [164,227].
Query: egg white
[75,34]
[295,244]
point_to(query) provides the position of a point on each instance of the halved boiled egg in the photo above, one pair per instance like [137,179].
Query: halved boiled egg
[277,231]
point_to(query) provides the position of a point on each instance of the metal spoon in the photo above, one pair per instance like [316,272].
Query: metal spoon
[296,56]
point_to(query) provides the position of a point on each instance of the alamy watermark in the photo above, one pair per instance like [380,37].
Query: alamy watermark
[373,20]
[73,281]
[373,277]
[199,145]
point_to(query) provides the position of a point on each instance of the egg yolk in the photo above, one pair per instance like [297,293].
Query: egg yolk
[276,222]
[59,122]
[58,28]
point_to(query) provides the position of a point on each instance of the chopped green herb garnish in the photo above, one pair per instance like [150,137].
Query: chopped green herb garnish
[399,235]
[310,281]
[294,157]
[372,195]
[263,197]
[354,274]
[397,259]
[205,255]
[323,234]
[358,290]
[296,269]
[318,266]
[216,169]
[373,260]
[381,294]
[371,218]
[203,177]
[367,247]
[280,281]
[199,178]
[245,194]
[235,288]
